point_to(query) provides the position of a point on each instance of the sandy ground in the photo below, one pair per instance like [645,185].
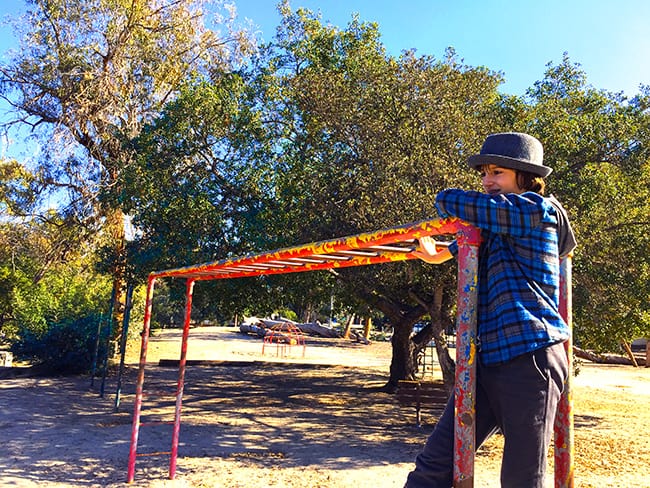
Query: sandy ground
[256,421]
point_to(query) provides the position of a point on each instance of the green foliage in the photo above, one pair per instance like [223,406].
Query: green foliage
[54,322]
[195,182]
[366,140]
[15,309]
[64,304]
[18,191]
[63,347]
[323,135]
[612,274]
[287,314]
[44,301]
[86,78]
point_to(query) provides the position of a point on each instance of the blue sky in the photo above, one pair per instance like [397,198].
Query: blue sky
[609,39]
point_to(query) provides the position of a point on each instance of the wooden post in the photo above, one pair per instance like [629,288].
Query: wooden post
[366,329]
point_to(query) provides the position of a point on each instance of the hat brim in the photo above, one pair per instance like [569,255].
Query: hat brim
[506,162]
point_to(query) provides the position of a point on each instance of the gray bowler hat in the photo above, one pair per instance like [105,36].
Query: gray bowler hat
[513,150]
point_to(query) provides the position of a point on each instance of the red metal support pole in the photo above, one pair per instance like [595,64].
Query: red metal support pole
[140,381]
[465,387]
[189,288]
[564,442]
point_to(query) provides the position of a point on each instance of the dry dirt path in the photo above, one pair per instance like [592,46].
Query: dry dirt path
[317,421]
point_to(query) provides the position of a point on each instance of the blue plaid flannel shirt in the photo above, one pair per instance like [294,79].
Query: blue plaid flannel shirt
[519,272]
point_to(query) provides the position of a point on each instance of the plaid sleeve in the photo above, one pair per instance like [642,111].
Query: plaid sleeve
[453,248]
[509,214]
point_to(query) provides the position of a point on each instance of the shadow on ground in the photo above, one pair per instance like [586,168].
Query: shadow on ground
[59,430]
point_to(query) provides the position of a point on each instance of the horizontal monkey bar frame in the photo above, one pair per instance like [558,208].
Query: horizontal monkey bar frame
[389,245]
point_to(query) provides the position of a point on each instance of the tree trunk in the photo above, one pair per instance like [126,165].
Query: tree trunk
[437,332]
[629,353]
[115,228]
[438,322]
[603,358]
[402,316]
[348,326]
[447,364]
[403,364]
[367,328]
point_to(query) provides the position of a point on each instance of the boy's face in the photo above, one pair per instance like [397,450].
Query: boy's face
[498,181]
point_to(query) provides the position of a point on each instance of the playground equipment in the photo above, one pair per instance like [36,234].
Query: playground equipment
[391,245]
[284,336]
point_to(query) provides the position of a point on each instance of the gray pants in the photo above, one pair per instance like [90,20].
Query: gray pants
[520,399]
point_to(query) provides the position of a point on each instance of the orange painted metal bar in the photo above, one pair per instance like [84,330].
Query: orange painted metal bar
[564,435]
[390,245]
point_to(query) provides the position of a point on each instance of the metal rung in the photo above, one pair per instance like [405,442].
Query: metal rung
[162,453]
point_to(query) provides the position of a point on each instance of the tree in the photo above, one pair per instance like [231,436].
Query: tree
[34,244]
[51,294]
[200,182]
[366,141]
[90,74]
[319,138]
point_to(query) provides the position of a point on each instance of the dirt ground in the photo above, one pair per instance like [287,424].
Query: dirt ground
[253,421]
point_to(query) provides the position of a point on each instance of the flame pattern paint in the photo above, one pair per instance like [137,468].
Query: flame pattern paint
[389,245]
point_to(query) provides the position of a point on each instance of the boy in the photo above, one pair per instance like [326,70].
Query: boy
[522,364]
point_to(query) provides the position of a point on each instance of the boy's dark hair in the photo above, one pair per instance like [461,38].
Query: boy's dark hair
[531,182]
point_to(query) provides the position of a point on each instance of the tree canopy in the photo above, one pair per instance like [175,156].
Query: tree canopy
[332,137]
[89,75]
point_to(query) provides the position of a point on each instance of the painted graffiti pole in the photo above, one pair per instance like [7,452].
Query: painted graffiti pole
[465,386]
[564,444]
[189,288]
[140,382]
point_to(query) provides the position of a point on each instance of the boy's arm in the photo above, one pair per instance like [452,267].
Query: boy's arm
[503,214]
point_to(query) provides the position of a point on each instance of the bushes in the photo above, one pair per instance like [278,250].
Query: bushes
[64,347]
[54,320]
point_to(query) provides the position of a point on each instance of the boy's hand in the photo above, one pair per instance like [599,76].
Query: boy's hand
[429,252]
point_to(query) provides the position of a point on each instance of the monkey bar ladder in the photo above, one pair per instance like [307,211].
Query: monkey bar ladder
[391,245]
